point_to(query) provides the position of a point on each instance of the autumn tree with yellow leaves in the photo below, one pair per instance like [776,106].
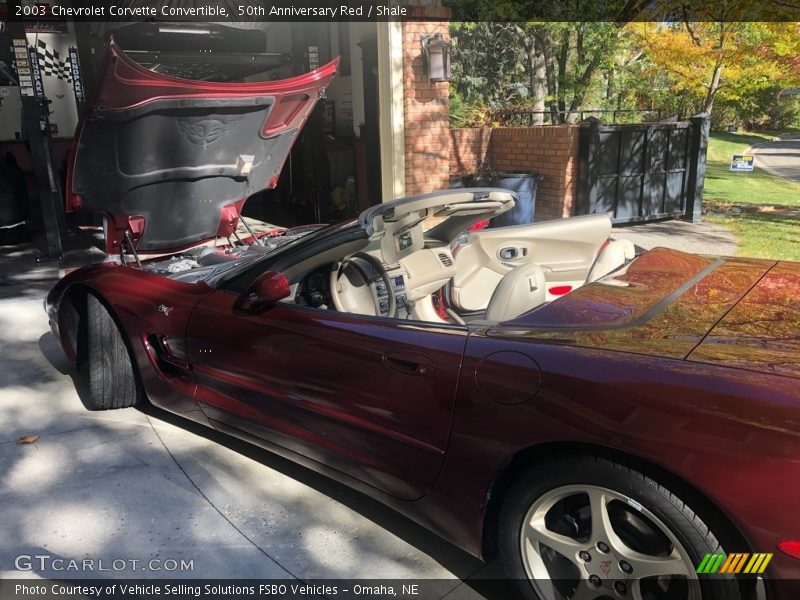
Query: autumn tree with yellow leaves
[731,61]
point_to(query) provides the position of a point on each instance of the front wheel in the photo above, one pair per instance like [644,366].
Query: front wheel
[591,529]
[109,371]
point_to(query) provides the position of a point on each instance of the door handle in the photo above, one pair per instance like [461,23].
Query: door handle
[409,363]
[511,253]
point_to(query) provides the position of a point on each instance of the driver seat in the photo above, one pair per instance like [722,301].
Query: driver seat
[520,290]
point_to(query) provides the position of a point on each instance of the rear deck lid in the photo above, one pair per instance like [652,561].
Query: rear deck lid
[171,161]
[762,332]
[663,303]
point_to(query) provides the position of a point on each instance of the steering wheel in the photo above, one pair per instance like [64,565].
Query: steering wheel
[352,280]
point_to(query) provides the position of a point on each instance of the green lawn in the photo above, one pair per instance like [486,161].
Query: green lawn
[761,232]
[758,187]
[762,235]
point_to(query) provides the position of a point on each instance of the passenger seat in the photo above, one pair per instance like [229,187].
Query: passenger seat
[521,290]
[610,258]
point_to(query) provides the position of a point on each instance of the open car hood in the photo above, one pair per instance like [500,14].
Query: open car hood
[171,161]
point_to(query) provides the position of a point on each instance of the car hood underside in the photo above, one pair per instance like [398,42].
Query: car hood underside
[170,161]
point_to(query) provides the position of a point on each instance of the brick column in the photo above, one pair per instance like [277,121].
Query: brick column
[425,106]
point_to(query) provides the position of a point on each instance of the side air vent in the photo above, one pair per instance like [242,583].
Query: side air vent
[445,259]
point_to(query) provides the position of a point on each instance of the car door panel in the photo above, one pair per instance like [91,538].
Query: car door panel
[370,397]
[565,249]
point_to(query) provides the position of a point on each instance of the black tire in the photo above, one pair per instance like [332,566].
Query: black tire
[686,525]
[111,377]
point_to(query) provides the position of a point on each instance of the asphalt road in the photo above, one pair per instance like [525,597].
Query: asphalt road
[781,157]
[141,485]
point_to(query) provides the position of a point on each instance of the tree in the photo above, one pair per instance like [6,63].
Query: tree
[730,60]
[540,65]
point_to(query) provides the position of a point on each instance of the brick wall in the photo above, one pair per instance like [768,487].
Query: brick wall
[469,150]
[425,106]
[551,151]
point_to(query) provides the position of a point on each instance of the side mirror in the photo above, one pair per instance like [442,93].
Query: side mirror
[268,287]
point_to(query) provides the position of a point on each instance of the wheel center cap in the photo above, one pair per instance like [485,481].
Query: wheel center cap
[604,567]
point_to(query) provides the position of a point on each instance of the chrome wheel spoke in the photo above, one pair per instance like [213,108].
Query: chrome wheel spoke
[585,591]
[635,589]
[536,531]
[602,530]
[654,566]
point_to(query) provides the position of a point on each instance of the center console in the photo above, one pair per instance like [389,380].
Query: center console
[398,283]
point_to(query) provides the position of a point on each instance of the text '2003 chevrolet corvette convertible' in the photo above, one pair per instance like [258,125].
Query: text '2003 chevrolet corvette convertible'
[599,419]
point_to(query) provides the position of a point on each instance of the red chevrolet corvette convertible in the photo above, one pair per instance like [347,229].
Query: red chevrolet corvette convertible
[601,420]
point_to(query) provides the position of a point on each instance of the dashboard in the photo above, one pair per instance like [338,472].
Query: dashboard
[368,280]
[315,289]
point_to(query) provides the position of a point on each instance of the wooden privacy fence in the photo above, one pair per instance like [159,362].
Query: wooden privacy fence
[642,172]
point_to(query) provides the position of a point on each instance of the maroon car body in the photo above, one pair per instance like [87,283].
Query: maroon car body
[705,388]
[689,366]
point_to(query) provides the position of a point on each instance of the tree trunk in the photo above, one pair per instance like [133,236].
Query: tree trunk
[716,76]
[536,73]
[546,43]
[538,79]
[708,104]
[563,55]
[610,85]
[581,88]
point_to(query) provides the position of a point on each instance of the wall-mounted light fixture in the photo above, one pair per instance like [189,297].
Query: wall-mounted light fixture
[437,57]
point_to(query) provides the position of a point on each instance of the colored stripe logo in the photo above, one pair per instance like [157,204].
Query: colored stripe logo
[737,562]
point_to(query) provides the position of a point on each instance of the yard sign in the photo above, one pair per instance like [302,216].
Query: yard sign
[742,162]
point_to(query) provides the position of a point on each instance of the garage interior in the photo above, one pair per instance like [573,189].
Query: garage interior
[332,173]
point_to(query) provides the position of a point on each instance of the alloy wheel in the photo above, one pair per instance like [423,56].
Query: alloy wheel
[585,542]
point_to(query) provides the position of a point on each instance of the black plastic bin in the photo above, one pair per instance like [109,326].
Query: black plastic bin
[483,180]
[524,184]
[457,182]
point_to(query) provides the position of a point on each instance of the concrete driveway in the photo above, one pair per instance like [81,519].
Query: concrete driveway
[697,238]
[142,485]
[781,157]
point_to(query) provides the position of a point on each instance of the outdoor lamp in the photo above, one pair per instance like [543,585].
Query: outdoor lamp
[437,57]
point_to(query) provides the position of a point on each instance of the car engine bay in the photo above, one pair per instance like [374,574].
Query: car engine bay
[204,262]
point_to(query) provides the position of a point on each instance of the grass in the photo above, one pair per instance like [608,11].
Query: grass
[762,235]
[762,231]
[758,187]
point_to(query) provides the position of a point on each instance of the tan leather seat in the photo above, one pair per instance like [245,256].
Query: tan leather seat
[522,289]
[612,257]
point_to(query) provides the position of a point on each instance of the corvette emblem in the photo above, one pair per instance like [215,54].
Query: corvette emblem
[164,309]
[605,567]
[203,132]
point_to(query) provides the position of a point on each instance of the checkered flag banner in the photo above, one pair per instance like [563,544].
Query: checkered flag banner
[51,63]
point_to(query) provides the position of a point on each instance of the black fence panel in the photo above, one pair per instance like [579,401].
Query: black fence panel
[642,172]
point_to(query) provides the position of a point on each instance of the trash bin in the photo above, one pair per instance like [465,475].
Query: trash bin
[457,182]
[524,184]
[483,180]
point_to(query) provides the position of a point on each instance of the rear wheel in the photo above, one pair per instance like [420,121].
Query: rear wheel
[109,370]
[591,529]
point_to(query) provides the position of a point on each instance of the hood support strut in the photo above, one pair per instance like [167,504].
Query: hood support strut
[131,247]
